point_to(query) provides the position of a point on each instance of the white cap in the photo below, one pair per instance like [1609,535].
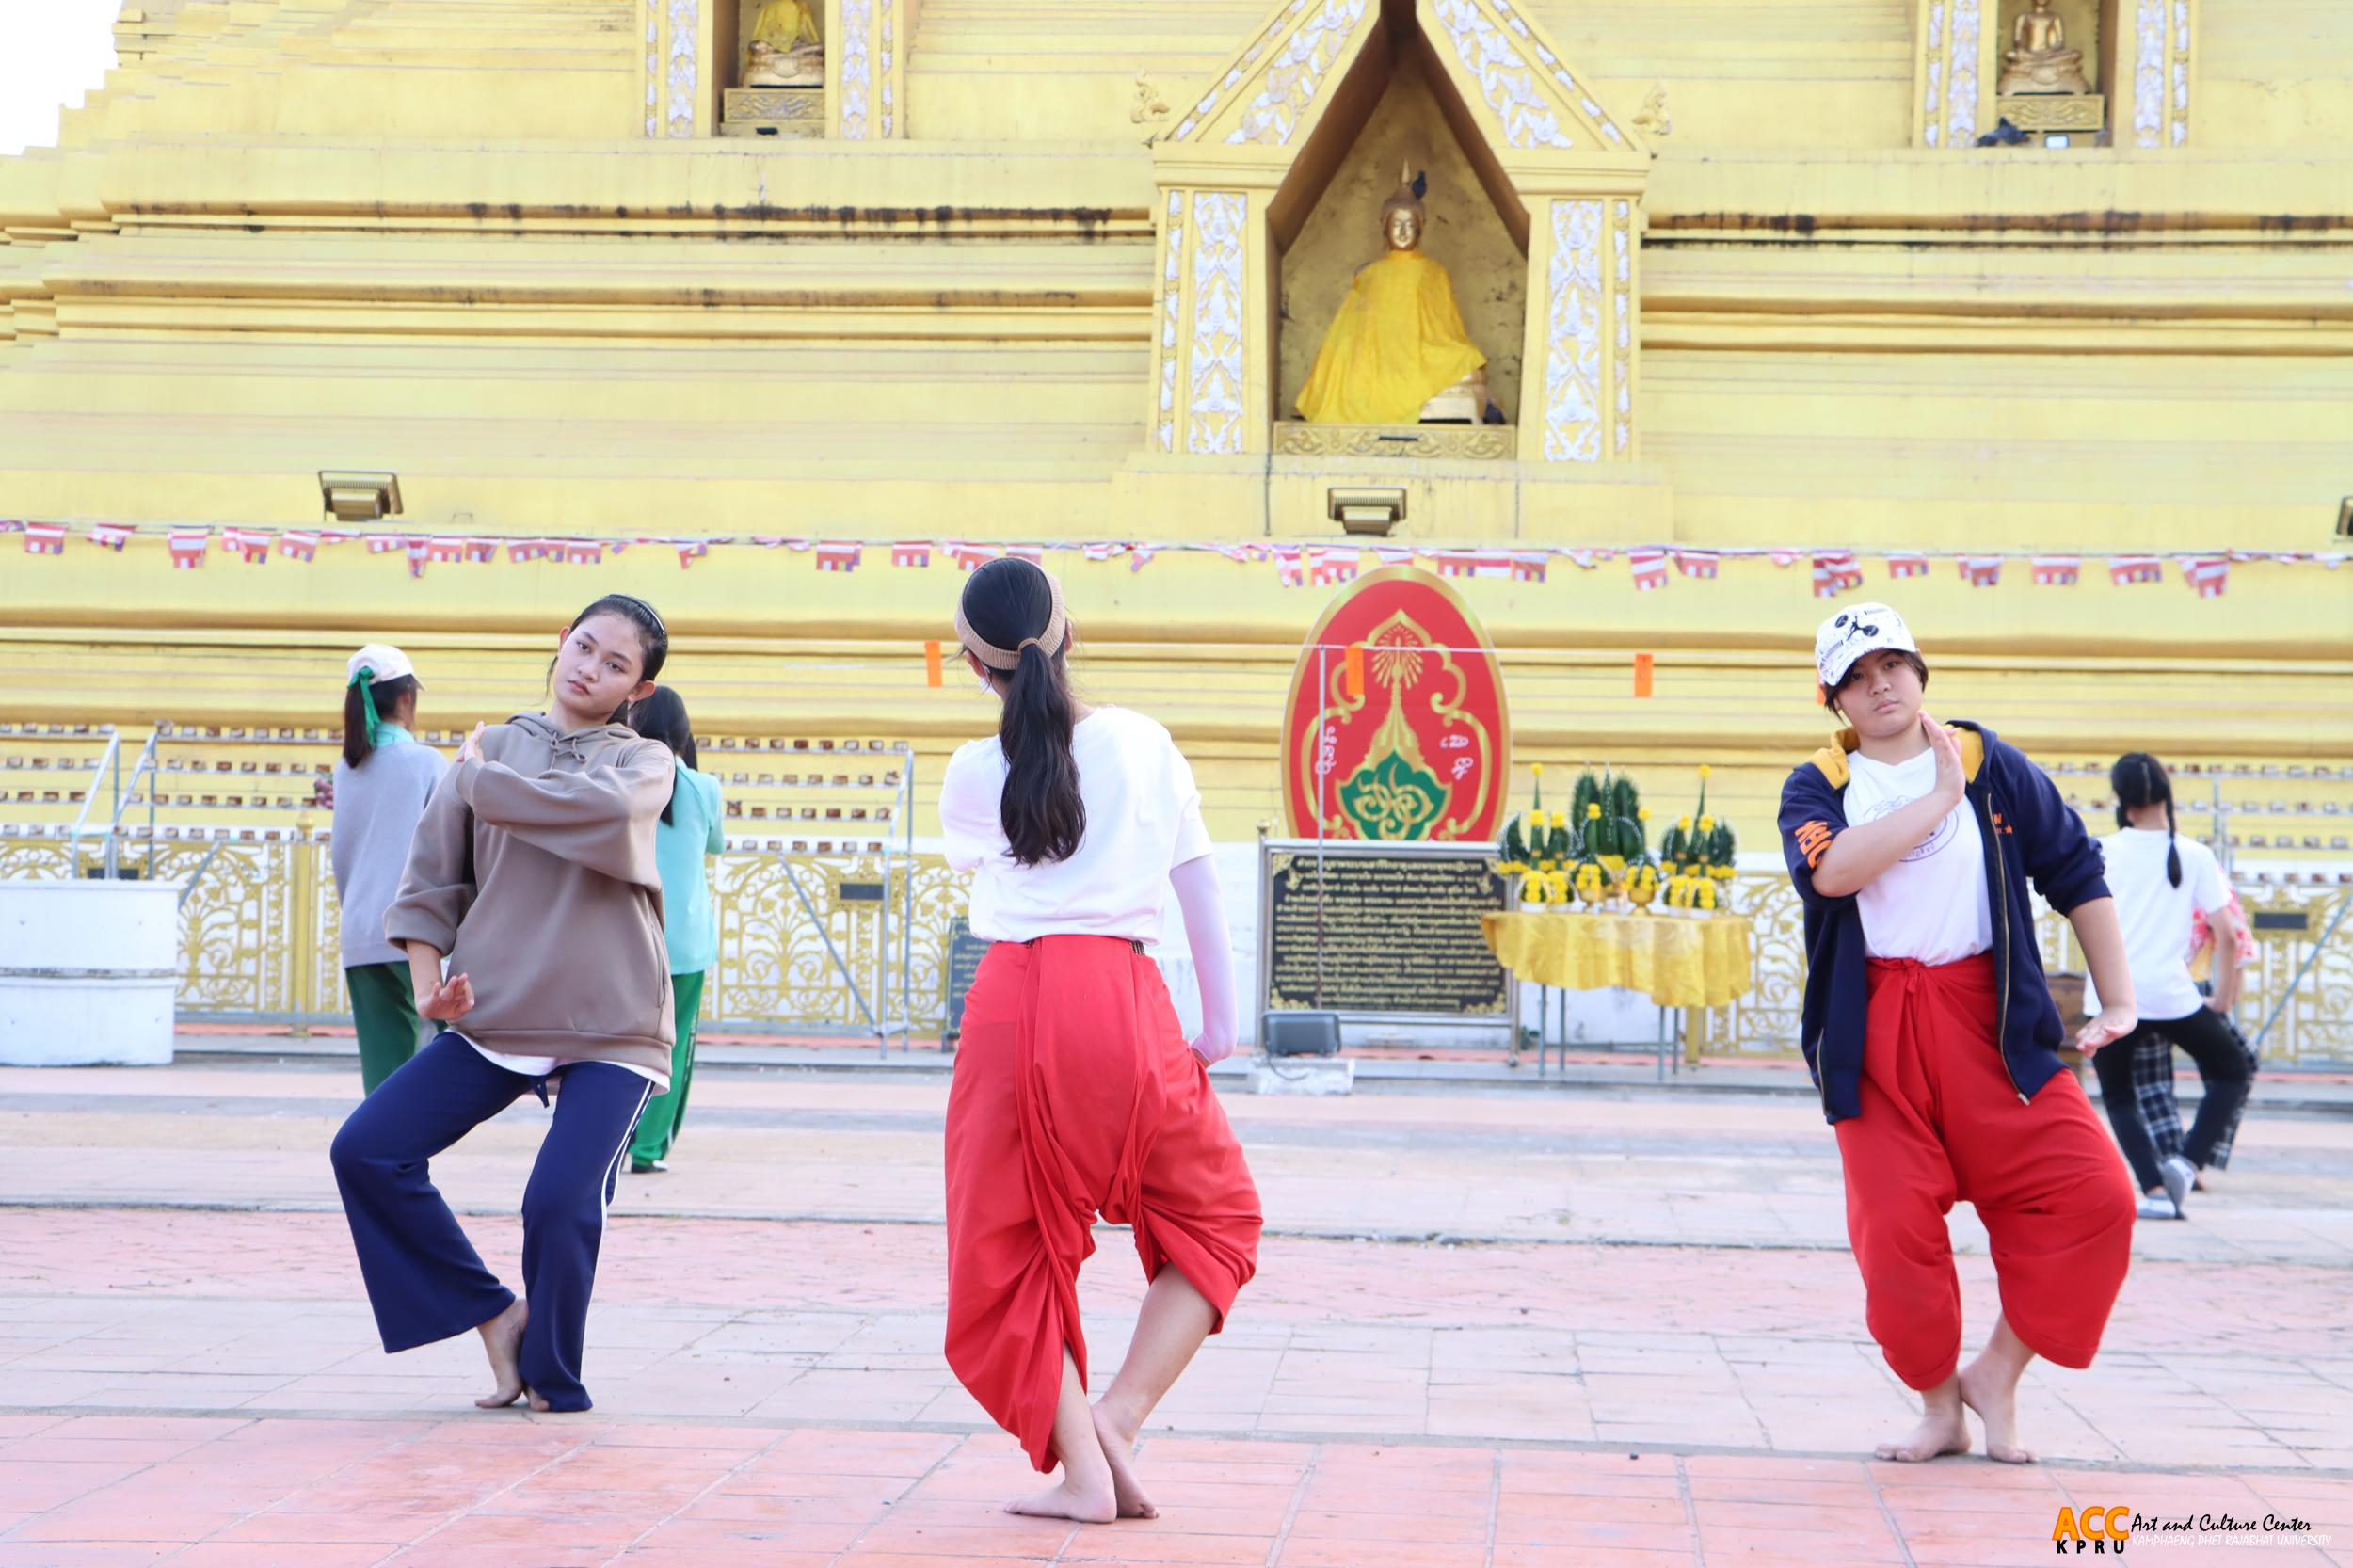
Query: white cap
[1854,632]
[383,662]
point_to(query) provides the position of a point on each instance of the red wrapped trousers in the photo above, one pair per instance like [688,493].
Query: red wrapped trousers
[1942,1122]
[1075,1095]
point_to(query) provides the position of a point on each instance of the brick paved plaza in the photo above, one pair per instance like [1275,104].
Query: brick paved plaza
[1492,1329]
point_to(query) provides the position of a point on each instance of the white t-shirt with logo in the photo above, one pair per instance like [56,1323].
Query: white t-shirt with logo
[1143,821]
[2155,916]
[1932,905]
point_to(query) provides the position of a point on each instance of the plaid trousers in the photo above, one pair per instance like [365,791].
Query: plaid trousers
[2153,1083]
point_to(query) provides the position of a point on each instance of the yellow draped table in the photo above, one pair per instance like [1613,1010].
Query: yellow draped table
[1678,961]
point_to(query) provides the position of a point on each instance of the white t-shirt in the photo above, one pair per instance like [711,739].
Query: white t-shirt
[1143,821]
[1931,904]
[2155,916]
[540,1066]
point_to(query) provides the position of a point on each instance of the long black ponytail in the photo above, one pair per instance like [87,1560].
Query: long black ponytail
[359,717]
[2139,781]
[1012,610]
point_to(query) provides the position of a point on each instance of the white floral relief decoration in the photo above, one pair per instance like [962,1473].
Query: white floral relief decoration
[1932,79]
[1172,311]
[1560,70]
[682,76]
[856,73]
[1573,414]
[1621,326]
[1233,77]
[882,66]
[1295,76]
[1215,400]
[1961,97]
[653,72]
[1504,77]
[2161,74]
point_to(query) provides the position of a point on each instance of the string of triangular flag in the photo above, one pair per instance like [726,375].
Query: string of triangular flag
[1296,565]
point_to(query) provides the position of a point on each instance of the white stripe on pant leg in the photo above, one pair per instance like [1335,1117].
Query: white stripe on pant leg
[613,1167]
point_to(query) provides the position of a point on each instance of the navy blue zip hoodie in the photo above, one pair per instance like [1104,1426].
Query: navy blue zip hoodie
[2030,835]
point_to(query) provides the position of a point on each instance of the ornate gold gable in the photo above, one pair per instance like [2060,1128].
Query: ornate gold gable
[1255,146]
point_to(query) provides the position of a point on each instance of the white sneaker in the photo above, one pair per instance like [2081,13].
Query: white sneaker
[2177,1173]
[2157,1206]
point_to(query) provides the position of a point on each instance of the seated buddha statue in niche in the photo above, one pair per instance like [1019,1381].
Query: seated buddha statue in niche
[2038,60]
[783,50]
[1397,351]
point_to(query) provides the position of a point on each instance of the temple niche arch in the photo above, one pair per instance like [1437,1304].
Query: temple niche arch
[1535,202]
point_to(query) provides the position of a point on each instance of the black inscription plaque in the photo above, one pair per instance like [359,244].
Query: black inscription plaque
[965,952]
[1383,930]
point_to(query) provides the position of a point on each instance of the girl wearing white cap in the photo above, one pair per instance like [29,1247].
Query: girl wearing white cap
[1932,1035]
[381,785]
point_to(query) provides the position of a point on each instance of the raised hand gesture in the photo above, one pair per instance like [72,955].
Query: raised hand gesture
[472,750]
[447,1002]
[1949,780]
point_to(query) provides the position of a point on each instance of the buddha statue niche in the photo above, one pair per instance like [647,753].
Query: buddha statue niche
[784,49]
[2038,60]
[1396,352]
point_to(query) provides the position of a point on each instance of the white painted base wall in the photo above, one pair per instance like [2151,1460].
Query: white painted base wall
[88,972]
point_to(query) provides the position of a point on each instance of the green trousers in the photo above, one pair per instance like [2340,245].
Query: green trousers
[384,1011]
[657,1127]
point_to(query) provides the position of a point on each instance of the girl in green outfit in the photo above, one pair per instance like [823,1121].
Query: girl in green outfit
[381,785]
[689,830]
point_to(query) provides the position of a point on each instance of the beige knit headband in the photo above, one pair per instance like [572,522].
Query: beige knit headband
[1048,641]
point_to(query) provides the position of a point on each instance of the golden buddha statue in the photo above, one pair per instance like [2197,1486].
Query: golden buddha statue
[2038,59]
[784,49]
[1396,352]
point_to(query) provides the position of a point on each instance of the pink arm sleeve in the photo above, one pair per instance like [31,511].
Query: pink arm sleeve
[1212,944]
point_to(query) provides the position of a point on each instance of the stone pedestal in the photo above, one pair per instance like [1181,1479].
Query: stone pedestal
[1304,1075]
[2070,114]
[88,972]
[788,111]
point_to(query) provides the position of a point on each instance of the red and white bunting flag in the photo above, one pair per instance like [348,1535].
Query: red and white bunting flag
[528,550]
[420,552]
[2209,574]
[298,544]
[1649,568]
[911,553]
[971,557]
[1034,553]
[582,552]
[689,551]
[384,544]
[1785,557]
[251,543]
[446,549]
[188,545]
[114,536]
[1491,562]
[45,539]
[2057,571]
[336,535]
[840,555]
[1907,566]
[1288,570]
[2123,569]
[1584,560]
[1393,556]
[1140,554]
[1455,563]
[1981,571]
[1834,572]
[1530,565]
[1326,568]
[1102,549]
[481,552]
[1696,563]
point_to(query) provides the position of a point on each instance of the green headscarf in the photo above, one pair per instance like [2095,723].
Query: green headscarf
[365,681]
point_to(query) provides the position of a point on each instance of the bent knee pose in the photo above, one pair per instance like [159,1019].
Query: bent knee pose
[2162,883]
[534,872]
[1932,1036]
[1075,1094]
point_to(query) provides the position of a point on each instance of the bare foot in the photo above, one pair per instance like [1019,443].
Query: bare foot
[1995,1400]
[1088,1505]
[503,1338]
[1940,1433]
[1119,1450]
[539,1405]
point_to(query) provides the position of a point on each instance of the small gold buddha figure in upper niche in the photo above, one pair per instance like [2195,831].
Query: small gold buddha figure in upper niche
[2038,59]
[783,50]
[1396,352]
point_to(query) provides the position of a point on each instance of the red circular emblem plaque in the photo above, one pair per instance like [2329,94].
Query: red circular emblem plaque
[1396,726]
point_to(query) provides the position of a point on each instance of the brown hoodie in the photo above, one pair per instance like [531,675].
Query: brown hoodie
[534,869]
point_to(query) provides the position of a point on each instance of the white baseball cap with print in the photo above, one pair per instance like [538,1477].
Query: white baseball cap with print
[1858,629]
[383,660]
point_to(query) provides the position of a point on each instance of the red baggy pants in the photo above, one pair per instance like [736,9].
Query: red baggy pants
[1942,1121]
[1075,1095]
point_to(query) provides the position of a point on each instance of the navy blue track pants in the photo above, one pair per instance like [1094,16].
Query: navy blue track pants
[424,1279]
